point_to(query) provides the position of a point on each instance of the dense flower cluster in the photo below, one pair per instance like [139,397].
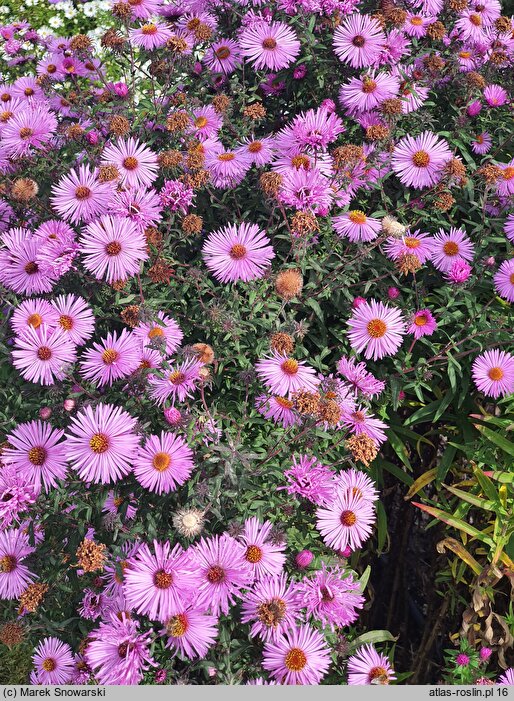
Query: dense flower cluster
[175,236]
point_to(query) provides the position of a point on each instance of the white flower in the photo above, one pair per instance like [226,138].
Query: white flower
[55,22]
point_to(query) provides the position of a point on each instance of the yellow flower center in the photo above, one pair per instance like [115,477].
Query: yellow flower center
[376,328]
[66,322]
[253,554]
[451,248]
[110,356]
[177,626]
[421,159]
[495,374]
[290,366]
[348,518]
[99,443]
[37,455]
[161,461]
[357,217]
[35,321]
[295,659]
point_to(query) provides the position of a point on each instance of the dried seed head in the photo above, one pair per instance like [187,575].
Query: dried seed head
[153,236]
[80,42]
[256,111]
[91,556]
[107,174]
[131,316]
[221,103]
[444,201]
[436,31]
[189,522]
[170,159]
[475,80]
[204,353]
[306,403]
[282,343]
[304,223]
[119,125]
[160,272]
[392,227]
[121,10]
[11,634]
[408,263]
[32,597]
[363,448]
[270,183]
[177,121]
[24,189]
[289,284]
[377,132]
[192,224]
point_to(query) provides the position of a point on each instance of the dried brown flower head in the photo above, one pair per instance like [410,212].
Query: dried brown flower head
[363,448]
[304,223]
[392,106]
[75,132]
[80,42]
[112,40]
[153,236]
[490,173]
[444,201]
[377,132]
[176,44]
[306,403]
[118,285]
[289,284]
[91,556]
[408,263]
[270,183]
[282,343]
[32,596]
[24,189]
[436,31]
[255,111]
[347,156]
[192,224]
[204,353]
[119,125]
[434,63]
[475,80]
[329,411]
[170,159]
[130,315]
[121,10]
[106,174]
[11,634]
[160,272]
[221,103]
[503,24]
[177,121]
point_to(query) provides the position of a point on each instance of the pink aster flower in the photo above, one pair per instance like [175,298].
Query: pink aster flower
[35,451]
[377,329]
[74,317]
[359,40]
[310,480]
[28,130]
[458,273]
[135,161]
[450,247]
[271,607]
[360,422]
[19,267]
[284,376]
[423,324]
[413,243]
[53,661]
[493,373]
[238,252]
[507,679]
[17,494]
[504,280]
[223,56]
[227,168]
[356,483]
[495,95]
[508,227]
[481,144]
[101,444]
[176,196]
[205,123]
[43,355]
[33,312]
[178,382]
[191,633]
[366,93]
[359,377]
[78,196]
[14,575]
[111,359]
[117,652]
[164,332]
[300,656]
[150,36]
[306,190]
[112,248]
[331,596]
[419,161]
[346,521]
[505,183]
[160,584]
[163,463]
[356,226]
[367,666]
[224,571]
[278,409]
[140,205]
[264,557]
[272,46]
[260,150]
[416,24]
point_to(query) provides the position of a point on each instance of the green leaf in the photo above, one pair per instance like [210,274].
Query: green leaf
[372,637]
[445,462]
[472,498]
[497,439]
[455,522]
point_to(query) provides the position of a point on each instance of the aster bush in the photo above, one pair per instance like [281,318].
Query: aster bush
[257,280]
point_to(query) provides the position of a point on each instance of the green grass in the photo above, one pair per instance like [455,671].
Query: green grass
[15,664]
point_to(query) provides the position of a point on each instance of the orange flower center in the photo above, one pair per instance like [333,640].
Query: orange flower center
[216,574]
[66,322]
[25,133]
[301,161]
[476,20]
[149,29]
[161,461]
[44,353]
[162,579]
[82,192]
[376,328]
[255,147]
[465,54]
[237,251]
[378,673]
[295,660]
[416,21]
[368,85]
[357,217]
[110,356]
[269,43]
[451,248]
[253,554]
[130,163]
[226,157]
[99,443]
[283,402]
[156,332]
[421,159]
[290,366]
[177,626]
[35,321]
[348,518]
[113,248]
[37,455]
[508,173]
[6,116]
[8,563]
[495,374]
[201,122]
[421,320]
[49,665]
[412,242]
[223,52]
[177,377]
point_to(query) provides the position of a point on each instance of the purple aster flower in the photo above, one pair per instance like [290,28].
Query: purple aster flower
[28,130]
[423,324]
[359,377]
[359,40]
[278,409]
[135,161]
[111,359]
[419,161]
[78,196]
[284,376]
[300,656]
[163,463]
[331,596]
[17,493]
[310,480]
[367,666]
[377,329]
[493,373]
[176,196]
[264,556]
[14,575]
[449,247]
[53,661]
[272,46]
[179,382]
[272,607]
[191,633]
[238,252]
[346,521]
[43,355]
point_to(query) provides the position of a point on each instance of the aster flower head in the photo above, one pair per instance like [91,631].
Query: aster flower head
[300,656]
[449,247]
[163,463]
[356,483]
[356,226]
[14,575]
[367,666]
[164,333]
[150,36]
[135,161]
[495,95]
[360,422]
[414,243]
[17,494]
[278,409]
[112,248]
[271,46]
[313,130]
[264,556]
[74,317]
[419,161]
[78,196]
[504,280]
[359,377]
[482,143]
[43,355]
[227,167]
[359,40]
[284,376]
[505,183]
[367,92]
[53,662]
[508,227]
[20,270]
[223,56]
[162,583]
[100,443]
[37,453]
[346,521]
[141,205]
[176,196]
[307,190]
[178,382]
[507,678]
[458,273]
[260,150]
[423,324]
[238,252]
[377,329]
[117,652]
[493,373]
[331,596]
[111,359]
[28,130]
[271,607]
[191,633]
[33,312]
[223,570]
[309,479]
